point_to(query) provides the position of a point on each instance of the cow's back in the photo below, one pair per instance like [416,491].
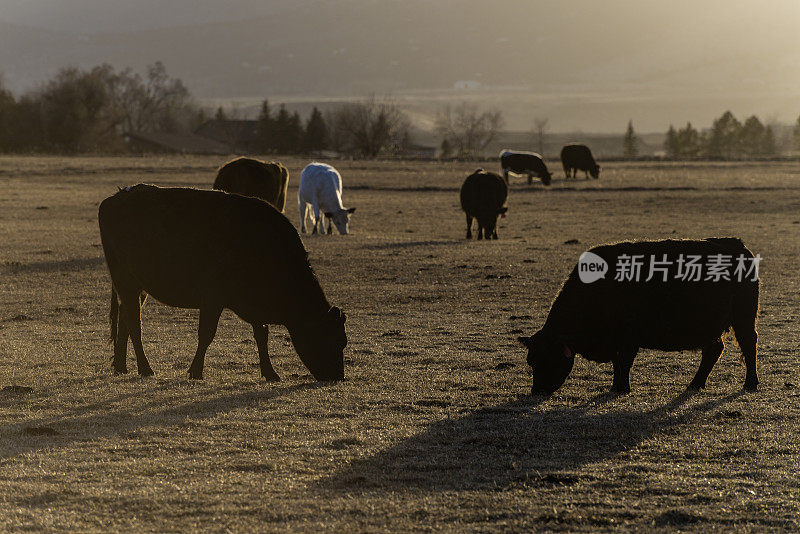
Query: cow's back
[521,162]
[578,156]
[483,191]
[180,242]
[671,315]
[320,178]
[254,178]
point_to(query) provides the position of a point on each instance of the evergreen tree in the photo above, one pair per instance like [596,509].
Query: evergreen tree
[295,133]
[446,149]
[265,128]
[724,141]
[316,134]
[220,114]
[671,144]
[8,107]
[280,130]
[630,143]
[768,144]
[689,142]
[797,134]
[751,137]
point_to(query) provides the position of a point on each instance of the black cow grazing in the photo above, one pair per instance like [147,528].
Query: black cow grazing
[524,163]
[255,178]
[483,196]
[608,320]
[576,157]
[210,250]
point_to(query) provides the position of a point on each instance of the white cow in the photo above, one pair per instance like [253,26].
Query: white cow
[321,187]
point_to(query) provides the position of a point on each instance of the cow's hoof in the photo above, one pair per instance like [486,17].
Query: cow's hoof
[620,390]
[121,371]
[272,378]
[751,387]
[144,373]
[696,386]
[195,375]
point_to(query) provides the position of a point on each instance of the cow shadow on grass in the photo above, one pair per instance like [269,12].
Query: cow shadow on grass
[516,443]
[411,244]
[130,413]
[53,266]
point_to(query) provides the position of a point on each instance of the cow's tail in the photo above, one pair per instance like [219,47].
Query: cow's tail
[113,316]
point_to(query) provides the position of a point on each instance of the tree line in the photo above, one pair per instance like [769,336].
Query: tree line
[728,138]
[88,110]
[360,129]
[81,110]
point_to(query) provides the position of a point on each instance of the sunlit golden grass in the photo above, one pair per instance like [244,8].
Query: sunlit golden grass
[433,428]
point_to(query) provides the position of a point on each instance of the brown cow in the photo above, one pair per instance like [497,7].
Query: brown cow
[255,178]
[209,250]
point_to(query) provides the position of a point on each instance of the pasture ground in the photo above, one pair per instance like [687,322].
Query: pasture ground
[433,428]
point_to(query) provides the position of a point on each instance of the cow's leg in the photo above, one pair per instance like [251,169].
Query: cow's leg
[317,221]
[261,333]
[711,354]
[530,178]
[330,226]
[480,230]
[120,362]
[566,172]
[744,328]
[303,207]
[505,175]
[747,338]
[206,330]
[622,370]
[494,233]
[469,226]
[130,310]
[747,341]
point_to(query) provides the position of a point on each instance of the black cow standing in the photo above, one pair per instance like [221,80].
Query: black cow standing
[576,157]
[483,196]
[524,163]
[671,307]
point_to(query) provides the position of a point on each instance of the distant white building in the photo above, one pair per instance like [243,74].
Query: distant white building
[466,85]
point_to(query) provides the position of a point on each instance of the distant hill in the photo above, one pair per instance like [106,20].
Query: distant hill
[588,65]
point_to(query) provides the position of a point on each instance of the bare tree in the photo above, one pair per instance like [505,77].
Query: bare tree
[159,103]
[539,128]
[367,128]
[468,130]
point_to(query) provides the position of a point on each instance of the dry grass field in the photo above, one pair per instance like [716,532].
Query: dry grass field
[433,428]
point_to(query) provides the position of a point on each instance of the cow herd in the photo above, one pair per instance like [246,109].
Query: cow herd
[233,248]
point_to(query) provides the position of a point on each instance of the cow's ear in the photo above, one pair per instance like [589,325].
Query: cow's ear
[350,210]
[503,209]
[329,215]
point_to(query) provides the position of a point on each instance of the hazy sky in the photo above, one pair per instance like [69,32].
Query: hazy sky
[644,59]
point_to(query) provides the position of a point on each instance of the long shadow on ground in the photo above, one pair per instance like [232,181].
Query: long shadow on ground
[131,412]
[510,443]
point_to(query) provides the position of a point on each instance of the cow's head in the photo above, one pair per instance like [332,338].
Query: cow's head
[320,344]
[341,219]
[595,171]
[550,359]
[547,177]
